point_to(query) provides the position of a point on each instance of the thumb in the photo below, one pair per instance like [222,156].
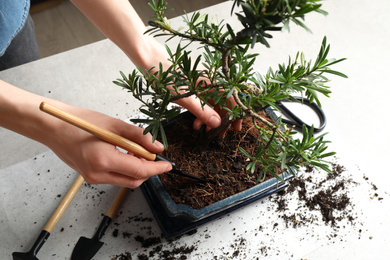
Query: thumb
[205,115]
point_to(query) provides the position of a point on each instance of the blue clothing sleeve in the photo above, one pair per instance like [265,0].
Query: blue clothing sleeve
[13,14]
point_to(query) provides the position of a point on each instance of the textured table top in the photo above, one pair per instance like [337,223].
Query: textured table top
[33,179]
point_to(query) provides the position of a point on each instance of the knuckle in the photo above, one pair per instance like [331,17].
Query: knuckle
[91,178]
[99,162]
[134,184]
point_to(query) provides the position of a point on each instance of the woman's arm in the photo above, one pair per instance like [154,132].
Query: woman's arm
[96,160]
[118,20]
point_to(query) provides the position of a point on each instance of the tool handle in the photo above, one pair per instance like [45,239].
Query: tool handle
[64,204]
[110,213]
[106,221]
[99,132]
[120,196]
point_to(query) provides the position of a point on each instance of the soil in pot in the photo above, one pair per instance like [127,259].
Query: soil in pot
[219,162]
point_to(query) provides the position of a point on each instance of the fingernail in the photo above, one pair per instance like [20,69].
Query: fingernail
[213,122]
[169,168]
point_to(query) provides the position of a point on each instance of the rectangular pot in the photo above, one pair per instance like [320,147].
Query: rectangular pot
[175,219]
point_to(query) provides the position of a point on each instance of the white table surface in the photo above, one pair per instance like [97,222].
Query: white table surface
[33,179]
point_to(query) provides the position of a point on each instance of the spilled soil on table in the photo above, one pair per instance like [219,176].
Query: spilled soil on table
[152,244]
[314,202]
[324,197]
[318,206]
[219,162]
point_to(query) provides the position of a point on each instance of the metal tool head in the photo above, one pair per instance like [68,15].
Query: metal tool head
[175,170]
[24,256]
[178,172]
[86,248]
[31,255]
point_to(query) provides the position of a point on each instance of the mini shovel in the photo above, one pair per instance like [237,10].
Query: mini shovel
[86,248]
[112,138]
[31,255]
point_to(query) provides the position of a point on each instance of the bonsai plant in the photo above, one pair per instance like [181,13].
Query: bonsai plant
[224,76]
[228,66]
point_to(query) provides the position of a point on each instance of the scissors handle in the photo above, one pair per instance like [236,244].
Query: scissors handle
[295,120]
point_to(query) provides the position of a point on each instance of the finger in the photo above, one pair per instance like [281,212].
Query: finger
[197,124]
[115,178]
[129,173]
[129,170]
[205,114]
[137,168]
[237,125]
[136,134]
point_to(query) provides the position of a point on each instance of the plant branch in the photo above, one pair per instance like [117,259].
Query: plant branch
[226,64]
[181,96]
[252,114]
[165,29]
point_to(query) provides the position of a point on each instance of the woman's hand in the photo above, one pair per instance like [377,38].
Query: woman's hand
[96,160]
[100,162]
[211,117]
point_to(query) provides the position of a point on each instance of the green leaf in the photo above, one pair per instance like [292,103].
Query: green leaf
[146,112]
[244,152]
[230,93]
[231,32]
[123,85]
[334,61]
[296,21]
[335,73]
[327,154]
[123,76]
[164,139]
[141,120]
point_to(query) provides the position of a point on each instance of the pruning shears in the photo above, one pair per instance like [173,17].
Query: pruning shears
[293,119]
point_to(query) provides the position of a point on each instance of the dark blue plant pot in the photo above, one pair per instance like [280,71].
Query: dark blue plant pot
[175,219]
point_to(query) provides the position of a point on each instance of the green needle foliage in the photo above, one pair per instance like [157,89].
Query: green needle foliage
[224,72]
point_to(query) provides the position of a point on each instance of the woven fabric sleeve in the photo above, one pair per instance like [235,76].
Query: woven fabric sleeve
[13,14]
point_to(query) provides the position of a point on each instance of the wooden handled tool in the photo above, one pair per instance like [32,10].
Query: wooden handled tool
[31,255]
[111,137]
[86,248]
[99,132]
[64,204]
